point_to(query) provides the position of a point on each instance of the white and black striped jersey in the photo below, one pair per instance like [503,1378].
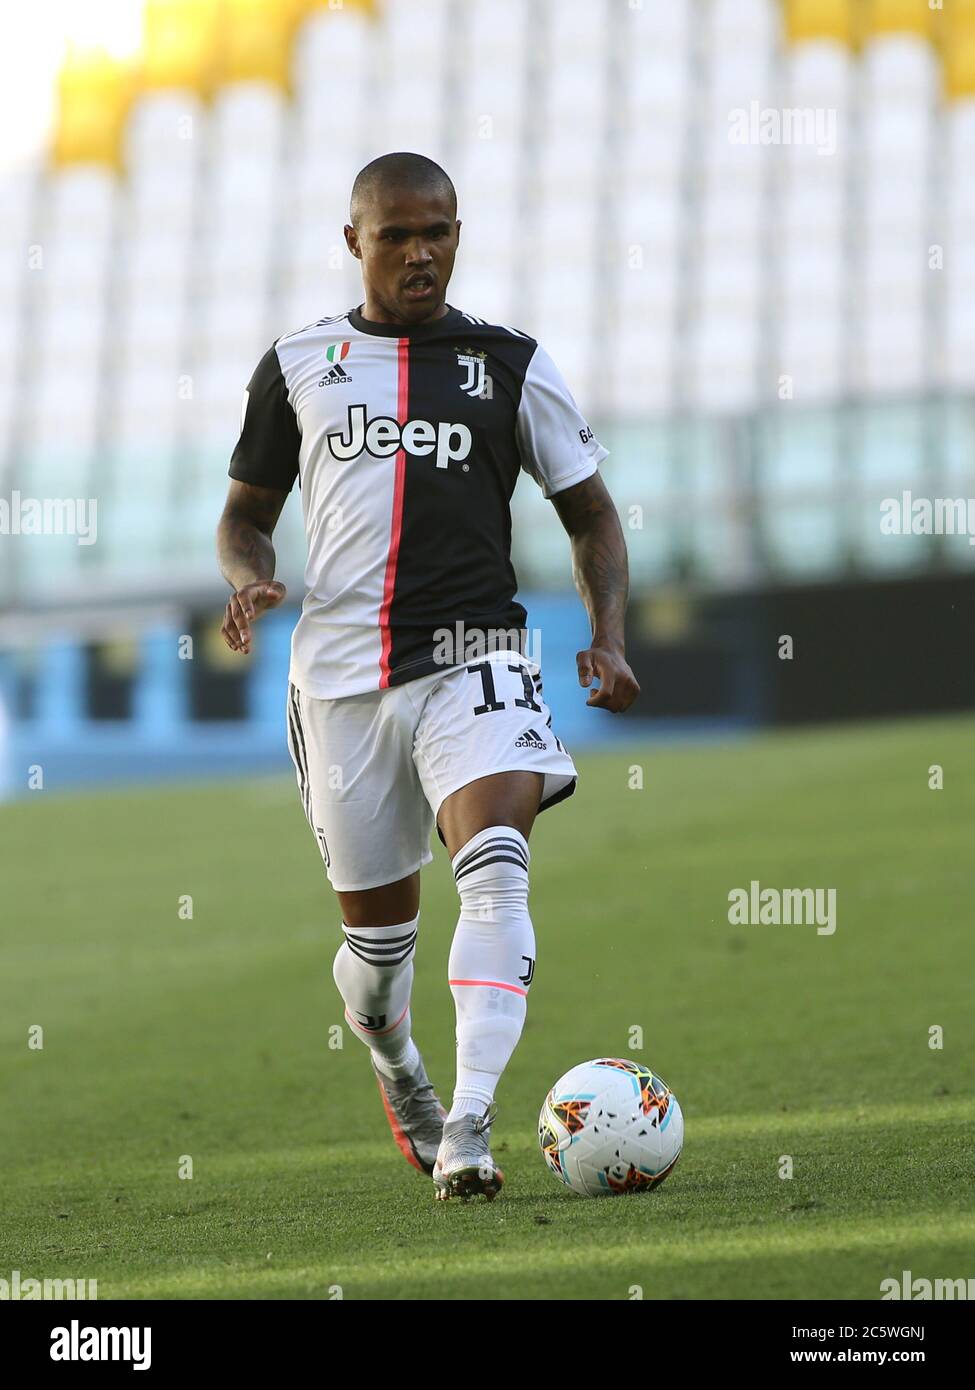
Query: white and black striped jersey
[407,444]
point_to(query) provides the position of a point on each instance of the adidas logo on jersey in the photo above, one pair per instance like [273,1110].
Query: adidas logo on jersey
[382,436]
[335,376]
[530,739]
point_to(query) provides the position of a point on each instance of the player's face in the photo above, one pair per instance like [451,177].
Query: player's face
[406,242]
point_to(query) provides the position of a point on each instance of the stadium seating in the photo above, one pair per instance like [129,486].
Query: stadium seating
[771,336]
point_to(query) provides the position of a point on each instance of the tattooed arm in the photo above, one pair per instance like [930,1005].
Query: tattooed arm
[601,574]
[246,558]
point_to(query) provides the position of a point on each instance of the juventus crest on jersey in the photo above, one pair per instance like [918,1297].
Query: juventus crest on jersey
[407,443]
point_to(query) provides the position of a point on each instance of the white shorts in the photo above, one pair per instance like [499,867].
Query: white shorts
[374,769]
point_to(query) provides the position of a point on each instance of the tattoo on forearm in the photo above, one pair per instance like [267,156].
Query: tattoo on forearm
[601,573]
[599,561]
[246,554]
[244,548]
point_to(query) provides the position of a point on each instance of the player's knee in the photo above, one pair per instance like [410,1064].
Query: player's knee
[491,872]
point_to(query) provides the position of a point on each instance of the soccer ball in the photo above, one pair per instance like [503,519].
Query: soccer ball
[610,1126]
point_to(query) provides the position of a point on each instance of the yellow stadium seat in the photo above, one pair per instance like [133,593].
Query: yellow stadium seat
[255,42]
[953,22]
[181,39]
[959,62]
[957,12]
[898,17]
[94,93]
[820,19]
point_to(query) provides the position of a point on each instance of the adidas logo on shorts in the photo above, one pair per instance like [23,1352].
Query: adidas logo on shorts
[530,739]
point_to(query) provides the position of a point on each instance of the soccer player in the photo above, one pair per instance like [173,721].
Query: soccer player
[412,699]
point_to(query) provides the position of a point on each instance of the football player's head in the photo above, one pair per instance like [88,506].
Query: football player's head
[404,230]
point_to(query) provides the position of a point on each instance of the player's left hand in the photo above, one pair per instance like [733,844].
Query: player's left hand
[618,686]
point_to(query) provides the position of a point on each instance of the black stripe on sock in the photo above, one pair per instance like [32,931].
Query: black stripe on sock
[496,859]
[495,840]
[350,935]
[498,840]
[381,964]
[363,949]
[355,930]
[382,955]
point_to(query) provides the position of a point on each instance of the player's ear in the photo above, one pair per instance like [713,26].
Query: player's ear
[458,223]
[352,241]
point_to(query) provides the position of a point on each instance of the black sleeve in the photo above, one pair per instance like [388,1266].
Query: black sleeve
[267,450]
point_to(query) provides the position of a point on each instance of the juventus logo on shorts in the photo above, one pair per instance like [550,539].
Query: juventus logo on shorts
[320,836]
[529,975]
[477,377]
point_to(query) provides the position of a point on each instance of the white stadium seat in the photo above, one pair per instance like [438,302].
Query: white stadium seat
[676,276]
[331,51]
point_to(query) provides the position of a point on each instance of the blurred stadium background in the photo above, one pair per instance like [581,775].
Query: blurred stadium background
[772,336]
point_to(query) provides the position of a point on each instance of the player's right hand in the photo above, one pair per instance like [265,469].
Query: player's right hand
[246,607]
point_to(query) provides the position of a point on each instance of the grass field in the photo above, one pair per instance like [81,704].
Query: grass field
[209,1037]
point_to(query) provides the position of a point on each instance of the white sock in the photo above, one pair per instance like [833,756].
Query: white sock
[492,960]
[374,973]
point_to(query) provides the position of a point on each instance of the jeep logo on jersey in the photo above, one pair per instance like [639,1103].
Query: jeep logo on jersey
[382,436]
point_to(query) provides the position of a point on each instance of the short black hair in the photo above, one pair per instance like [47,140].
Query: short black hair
[399,170]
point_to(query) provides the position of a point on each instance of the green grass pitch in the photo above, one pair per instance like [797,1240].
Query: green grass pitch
[209,1037]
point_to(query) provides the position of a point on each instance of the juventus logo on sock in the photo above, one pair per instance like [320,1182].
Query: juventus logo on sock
[371,1021]
[527,978]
